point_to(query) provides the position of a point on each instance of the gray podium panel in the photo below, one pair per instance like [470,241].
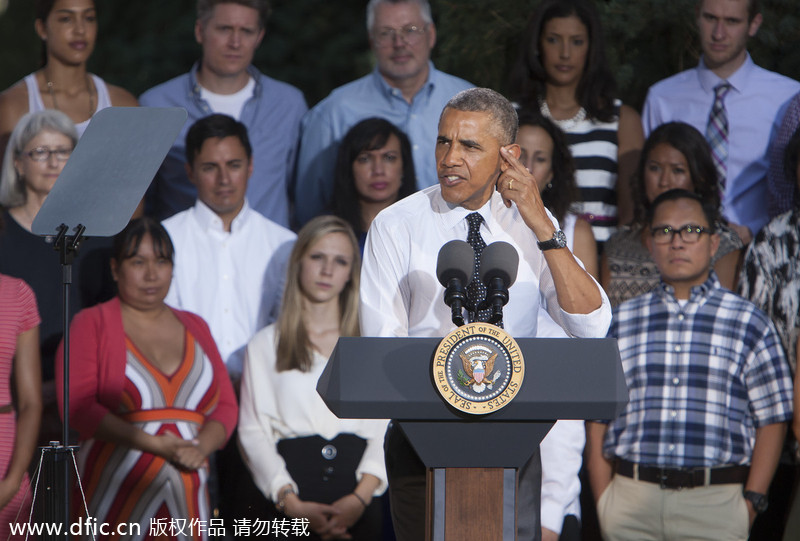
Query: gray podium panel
[449,444]
[391,378]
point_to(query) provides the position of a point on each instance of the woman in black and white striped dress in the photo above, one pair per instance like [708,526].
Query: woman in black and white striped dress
[562,71]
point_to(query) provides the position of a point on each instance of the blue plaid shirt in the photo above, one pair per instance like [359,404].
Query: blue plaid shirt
[702,377]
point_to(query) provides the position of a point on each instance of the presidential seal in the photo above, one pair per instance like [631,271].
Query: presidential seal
[478,368]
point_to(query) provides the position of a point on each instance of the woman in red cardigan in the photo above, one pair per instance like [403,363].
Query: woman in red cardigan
[149,394]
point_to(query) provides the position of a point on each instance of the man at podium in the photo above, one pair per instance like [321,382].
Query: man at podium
[484,195]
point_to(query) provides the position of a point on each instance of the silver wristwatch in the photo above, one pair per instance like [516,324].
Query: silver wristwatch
[559,240]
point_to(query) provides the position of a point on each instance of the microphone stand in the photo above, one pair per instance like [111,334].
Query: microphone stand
[496,298]
[455,297]
[56,458]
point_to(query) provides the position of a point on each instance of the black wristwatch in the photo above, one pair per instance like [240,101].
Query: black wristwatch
[559,240]
[759,501]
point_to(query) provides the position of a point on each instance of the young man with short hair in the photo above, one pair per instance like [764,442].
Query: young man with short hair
[225,81]
[736,103]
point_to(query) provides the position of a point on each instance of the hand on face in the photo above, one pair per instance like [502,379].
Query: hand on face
[516,184]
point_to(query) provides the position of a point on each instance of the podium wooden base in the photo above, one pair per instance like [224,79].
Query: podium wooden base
[471,503]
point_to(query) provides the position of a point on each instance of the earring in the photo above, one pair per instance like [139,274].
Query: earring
[549,186]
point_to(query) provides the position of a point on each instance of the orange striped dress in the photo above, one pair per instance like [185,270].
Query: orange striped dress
[127,486]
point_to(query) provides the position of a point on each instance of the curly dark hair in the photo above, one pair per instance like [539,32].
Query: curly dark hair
[694,147]
[597,88]
[563,192]
[369,134]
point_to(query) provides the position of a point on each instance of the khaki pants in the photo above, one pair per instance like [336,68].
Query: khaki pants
[630,510]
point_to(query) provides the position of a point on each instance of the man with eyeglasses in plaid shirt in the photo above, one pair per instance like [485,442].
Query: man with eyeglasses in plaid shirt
[694,451]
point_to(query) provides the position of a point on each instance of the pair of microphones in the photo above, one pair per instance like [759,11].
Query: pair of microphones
[498,270]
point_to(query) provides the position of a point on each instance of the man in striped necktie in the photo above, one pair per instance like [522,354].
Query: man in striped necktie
[734,102]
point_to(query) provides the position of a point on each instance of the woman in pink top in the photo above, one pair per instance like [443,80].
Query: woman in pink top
[19,366]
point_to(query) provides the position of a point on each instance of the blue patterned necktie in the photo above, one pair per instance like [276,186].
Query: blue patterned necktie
[717,133]
[476,290]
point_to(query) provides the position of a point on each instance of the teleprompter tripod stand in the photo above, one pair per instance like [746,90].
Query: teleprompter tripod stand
[95,196]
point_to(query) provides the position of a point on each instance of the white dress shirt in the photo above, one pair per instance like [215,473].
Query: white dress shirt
[562,457]
[562,449]
[277,405]
[234,280]
[401,296]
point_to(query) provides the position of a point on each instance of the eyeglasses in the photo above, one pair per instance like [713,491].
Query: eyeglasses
[689,233]
[411,34]
[42,154]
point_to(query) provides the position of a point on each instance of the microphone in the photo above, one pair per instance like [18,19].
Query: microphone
[454,271]
[499,264]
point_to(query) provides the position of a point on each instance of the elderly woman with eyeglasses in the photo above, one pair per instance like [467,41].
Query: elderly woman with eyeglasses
[39,147]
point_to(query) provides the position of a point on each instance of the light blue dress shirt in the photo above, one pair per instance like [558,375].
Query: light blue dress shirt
[755,106]
[272,116]
[328,122]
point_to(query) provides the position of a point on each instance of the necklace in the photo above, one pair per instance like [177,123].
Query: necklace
[567,123]
[52,93]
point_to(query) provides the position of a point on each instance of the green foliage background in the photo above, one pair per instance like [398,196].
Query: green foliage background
[318,45]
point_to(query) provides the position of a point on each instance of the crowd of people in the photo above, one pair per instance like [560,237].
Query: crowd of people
[272,230]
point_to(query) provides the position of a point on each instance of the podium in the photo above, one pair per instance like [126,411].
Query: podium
[391,378]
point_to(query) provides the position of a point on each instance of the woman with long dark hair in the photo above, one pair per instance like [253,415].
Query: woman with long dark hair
[561,70]
[374,169]
[68,30]
[675,156]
